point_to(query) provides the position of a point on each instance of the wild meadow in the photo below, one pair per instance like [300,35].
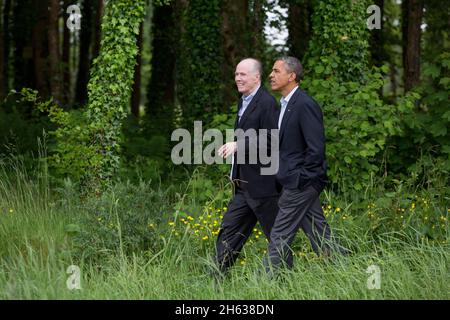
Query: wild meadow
[147,241]
[92,93]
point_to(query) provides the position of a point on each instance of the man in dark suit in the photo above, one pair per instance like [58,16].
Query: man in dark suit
[255,194]
[302,167]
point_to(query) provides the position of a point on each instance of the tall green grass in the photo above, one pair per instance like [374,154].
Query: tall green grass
[36,249]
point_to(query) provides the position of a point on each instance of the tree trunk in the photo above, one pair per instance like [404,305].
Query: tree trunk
[2,56]
[84,55]
[22,43]
[237,40]
[66,60]
[161,87]
[136,94]
[377,50]
[97,28]
[5,45]
[299,28]
[53,50]
[234,30]
[257,19]
[436,34]
[393,79]
[412,12]
[40,49]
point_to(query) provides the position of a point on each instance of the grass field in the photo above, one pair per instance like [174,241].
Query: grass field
[36,250]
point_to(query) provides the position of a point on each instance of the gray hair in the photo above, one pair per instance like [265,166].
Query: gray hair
[257,65]
[293,65]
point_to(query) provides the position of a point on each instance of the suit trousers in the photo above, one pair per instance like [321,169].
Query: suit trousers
[238,222]
[298,209]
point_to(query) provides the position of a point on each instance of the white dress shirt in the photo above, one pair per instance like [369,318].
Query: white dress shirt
[284,102]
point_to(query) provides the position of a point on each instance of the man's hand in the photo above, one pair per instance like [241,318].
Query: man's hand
[227,149]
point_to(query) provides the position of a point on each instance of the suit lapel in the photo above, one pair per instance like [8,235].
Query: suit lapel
[250,108]
[287,114]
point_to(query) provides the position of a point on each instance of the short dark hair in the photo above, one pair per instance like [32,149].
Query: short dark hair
[293,65]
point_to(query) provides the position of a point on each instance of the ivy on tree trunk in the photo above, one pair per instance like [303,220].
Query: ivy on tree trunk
[110,85]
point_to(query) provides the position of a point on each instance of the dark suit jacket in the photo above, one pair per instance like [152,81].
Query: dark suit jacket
[261,113]
[302,144]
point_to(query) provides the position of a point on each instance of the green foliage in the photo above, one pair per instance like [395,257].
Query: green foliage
[109,88]
[70,152]
[143,157]
[405,209]
[339,46]
[200,61]
[429,126]
[88,143]
[159,115]
[136,142]
[358,123]
[126,240]
[20,124]
[436,35]
[131,218]
[426,143]
[222,122]
[122,221]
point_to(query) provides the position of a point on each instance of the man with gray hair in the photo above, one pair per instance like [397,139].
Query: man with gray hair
[302,167]
[255,195]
